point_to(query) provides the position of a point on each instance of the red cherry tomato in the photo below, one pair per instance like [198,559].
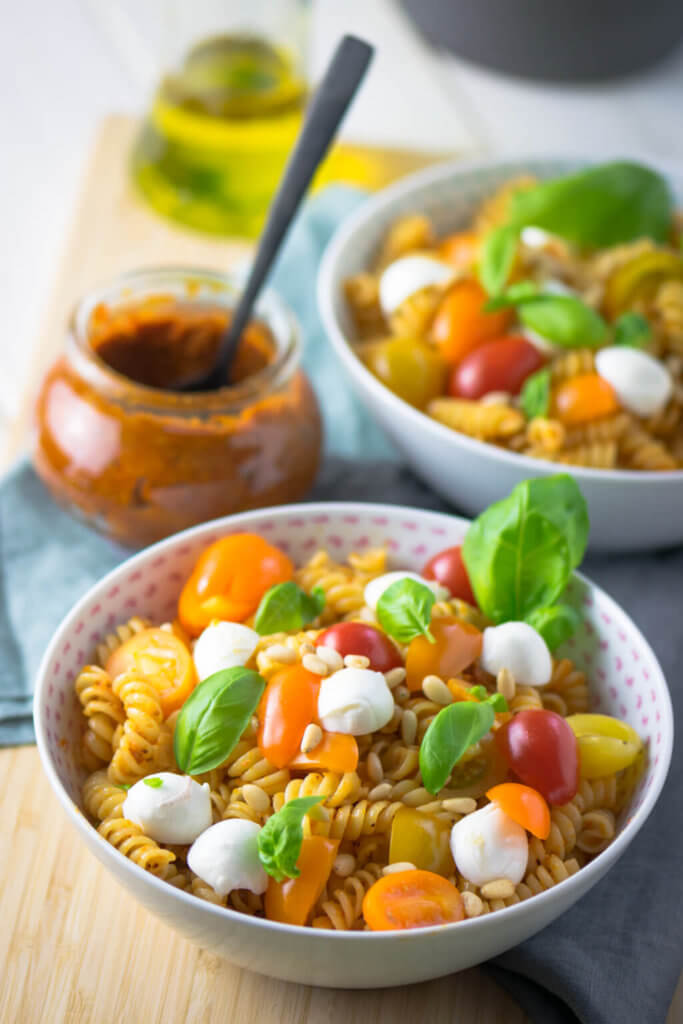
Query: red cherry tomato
[500,365]
[447,567]
[360,638]
[543,752]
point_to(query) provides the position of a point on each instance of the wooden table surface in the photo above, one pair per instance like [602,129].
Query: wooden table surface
[74,947]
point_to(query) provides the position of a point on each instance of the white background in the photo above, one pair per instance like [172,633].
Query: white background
[66,63]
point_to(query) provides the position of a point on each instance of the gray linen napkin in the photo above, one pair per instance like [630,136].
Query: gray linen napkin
[616,956]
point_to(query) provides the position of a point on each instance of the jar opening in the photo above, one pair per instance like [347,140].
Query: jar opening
[154,331]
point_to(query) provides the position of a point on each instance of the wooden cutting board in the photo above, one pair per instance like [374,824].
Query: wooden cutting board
[73,945]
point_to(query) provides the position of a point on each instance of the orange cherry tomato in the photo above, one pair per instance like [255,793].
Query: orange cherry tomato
[229,580]
[457,645]
[336,752]
[411,899]
[289,703]
[292,900]
[584,398]
[460,249]
[421,839]
[163,659]
[524,805]
[460,324]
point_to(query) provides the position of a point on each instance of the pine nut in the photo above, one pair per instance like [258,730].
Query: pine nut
[472,904]
[374,766]
[394,677]
[417,796]
[401,692]
[460,804]
[367,615]
[408,727]
[332,658]
[312,663]
[505,683]
[256,798]
[278,652]
[400,865]
[498,889]
[344,865]
[356,661]
[380,792]
[436,690]
[311,738]
[496,398]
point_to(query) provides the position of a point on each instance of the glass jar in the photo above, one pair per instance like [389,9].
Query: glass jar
[140,462]
[227,109]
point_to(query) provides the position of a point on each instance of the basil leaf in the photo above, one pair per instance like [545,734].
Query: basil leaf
[520,552]
[286,607]
[535,396]
[404,610]
[631,329]
[280,839]
[214,717]
[520,291]
[598,207]
[455,729]
[555,624]
[497,702]
[497,256]
[153,782]
[564,320]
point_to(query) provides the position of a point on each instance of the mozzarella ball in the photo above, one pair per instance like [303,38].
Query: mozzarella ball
[642,383]
[223,645]
[488,844]
[535,238]
[355,701]
[176,811]
[375,588]
[226,857]
[519,648]
[408,275]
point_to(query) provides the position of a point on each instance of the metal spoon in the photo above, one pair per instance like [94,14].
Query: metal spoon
[325,112]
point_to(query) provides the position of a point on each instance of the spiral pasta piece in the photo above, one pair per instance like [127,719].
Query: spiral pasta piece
[102,708]
[336,789]
[598,455]
[364,818]
[132,842]
[640,450]
[139,750]
[344,587]
[597,793]
[407,234]
[551,872]
[342,910]
[494,210]
[565,824]
[570,684]
[597,831]
[102,798]
[526,698]
[572,364]
[668,309]
[484,422]
[362,295]
[252,766]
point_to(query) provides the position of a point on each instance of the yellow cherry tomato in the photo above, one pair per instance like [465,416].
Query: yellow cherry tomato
[637,280]
[606,744]
[410,368]
[422,840]
[584,398]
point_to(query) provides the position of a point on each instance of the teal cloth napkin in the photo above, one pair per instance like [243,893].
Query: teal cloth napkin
[615,957]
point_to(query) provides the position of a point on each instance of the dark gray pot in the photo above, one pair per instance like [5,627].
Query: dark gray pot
[560,40]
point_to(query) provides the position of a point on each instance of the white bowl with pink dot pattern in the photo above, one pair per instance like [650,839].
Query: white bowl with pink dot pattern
[626,681]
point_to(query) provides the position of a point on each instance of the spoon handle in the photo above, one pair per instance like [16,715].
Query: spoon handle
[326,110]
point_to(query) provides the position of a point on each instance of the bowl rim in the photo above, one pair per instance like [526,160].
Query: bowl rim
[327,284]
[118,861]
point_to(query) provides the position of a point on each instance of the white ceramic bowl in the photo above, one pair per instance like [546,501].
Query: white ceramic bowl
[627,681]
[629,510]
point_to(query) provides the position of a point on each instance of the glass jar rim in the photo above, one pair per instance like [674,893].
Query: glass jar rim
[147,281]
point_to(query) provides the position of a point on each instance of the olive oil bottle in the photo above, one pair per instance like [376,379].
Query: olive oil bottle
[214,145]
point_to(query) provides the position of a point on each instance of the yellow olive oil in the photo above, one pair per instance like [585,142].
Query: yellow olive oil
[212,150]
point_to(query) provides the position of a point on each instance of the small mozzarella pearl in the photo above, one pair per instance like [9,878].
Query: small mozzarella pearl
[177,811]
[535,238]
[487,845]
[375,588]
[223,645]
[408,275]
[226,857]
[642,383]
[520,649]
[355,701]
